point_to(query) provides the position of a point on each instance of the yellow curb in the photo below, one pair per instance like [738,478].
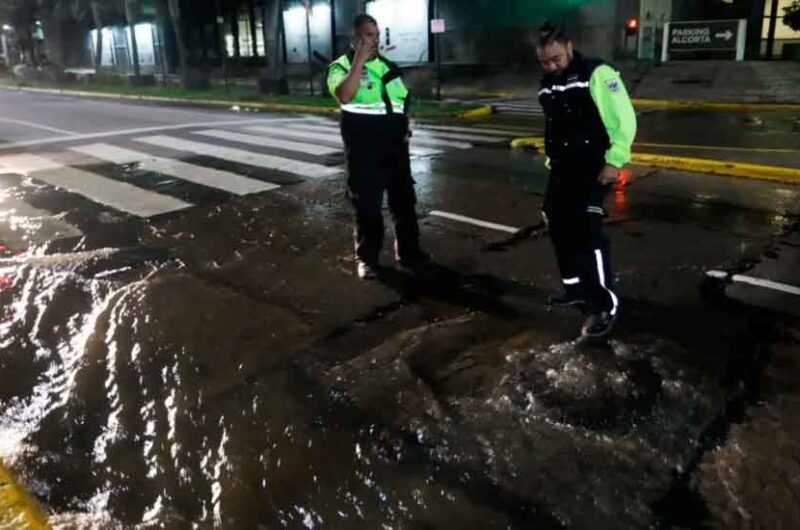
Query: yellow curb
[696,165]
[718,148]
[535,142]
[721,167]
[711,105]
[18,509]
[483,111]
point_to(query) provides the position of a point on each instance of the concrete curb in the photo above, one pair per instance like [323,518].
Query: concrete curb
[668,104]
[281,107]
[781,174]
[18,509]
[480,112]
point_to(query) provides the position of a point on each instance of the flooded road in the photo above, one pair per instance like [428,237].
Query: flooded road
[221,366]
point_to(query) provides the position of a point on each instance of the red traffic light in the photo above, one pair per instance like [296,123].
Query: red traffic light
[631,26]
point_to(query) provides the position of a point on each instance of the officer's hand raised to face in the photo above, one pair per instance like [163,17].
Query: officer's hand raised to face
[608,175]
[365,50]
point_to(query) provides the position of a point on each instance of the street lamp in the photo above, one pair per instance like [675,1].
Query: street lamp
[6,27]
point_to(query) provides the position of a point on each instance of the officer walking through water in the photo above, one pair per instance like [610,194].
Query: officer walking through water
[590,127]
[375,129]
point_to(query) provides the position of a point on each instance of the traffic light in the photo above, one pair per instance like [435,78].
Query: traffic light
[631,26]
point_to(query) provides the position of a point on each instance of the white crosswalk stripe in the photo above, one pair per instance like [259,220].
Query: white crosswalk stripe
[439,140]
[506,133]
[419,137]
[422,133]
[118,195]
[266,141]
[431,136]
[519,107]
[286,165]
[289,147]
[213,178]
[331,134]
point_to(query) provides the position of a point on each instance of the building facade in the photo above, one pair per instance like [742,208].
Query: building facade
[246,35]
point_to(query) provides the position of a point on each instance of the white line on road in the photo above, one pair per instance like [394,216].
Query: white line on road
[140,130]
[325,134]
[508,133]
[265,141]
[39,126]
[286,165]
[416,141]
[422,134]
[758,282]
[213,178]
[309,132]
[475,222]
[118,195]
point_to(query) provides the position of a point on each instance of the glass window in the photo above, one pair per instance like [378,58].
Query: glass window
[260,49]
[245,40]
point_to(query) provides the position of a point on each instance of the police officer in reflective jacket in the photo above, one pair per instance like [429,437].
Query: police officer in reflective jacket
[375,129]
[590,127]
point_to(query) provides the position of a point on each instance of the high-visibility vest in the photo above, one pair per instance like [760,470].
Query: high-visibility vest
[381,91]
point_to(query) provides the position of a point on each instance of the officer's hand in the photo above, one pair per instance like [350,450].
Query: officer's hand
[608,175]
[364,51]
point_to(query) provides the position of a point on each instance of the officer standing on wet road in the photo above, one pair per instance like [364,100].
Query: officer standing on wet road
[375,129]
[589,131]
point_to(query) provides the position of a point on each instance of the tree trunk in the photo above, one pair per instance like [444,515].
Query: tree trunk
[273,28]
[98,24]
[162,16]
[130,14]
[175,14]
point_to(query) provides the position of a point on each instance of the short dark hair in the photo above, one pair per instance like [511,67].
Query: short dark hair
[362,19]
[550,33]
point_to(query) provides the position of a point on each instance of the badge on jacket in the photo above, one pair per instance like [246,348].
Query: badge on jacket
[613,85]
[366,82]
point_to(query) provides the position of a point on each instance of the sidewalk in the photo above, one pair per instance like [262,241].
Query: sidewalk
[723,81]
[678,83]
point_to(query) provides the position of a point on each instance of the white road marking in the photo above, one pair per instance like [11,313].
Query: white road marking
[457,136]
[212,178]
[758,282]
[118,195]
[266,141]
[286,165]
[423,138]
[39,126]
[508,133]
[141,130]
[416,142]
[326,134]
[475,222]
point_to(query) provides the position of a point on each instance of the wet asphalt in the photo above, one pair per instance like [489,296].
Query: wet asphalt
[222,367]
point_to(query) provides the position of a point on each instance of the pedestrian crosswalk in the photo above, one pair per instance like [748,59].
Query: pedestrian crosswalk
[529,108]
[248,157]
[213,178]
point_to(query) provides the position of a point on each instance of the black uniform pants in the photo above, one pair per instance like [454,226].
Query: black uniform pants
[376,148]
[574,207]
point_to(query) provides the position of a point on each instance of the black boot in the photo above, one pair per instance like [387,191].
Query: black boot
[569,298]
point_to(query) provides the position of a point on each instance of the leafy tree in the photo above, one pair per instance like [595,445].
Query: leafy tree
[792,15]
